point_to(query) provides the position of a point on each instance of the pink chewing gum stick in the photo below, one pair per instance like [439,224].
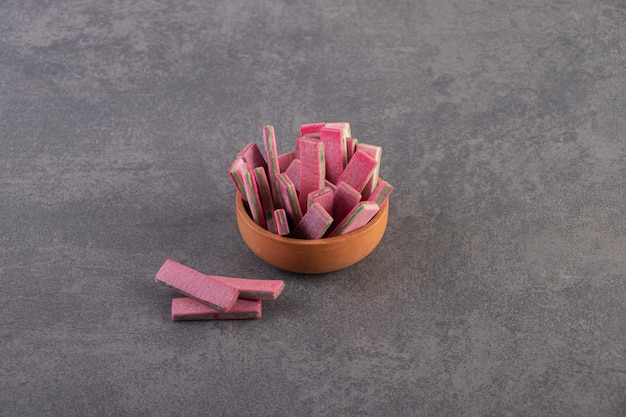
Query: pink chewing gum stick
[351,144]
[197,285]
[188,309]
[358,171]
[315,135]
[311,128]
[252,155]
[325,196]
[289,198]
[273,167]
[284,160]
[358,217]
[381,193]
[314,223]
[254,289]
[343,126]
[240,173]
[335,153]
[281,222]
[346,198]
[236,175]
[254,199]
[376,153]
[293,173]
[297,148]
[265,195]
[312,169]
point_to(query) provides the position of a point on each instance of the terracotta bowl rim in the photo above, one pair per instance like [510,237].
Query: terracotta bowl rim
[242,212]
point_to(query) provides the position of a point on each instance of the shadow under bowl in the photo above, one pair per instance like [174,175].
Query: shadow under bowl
[311,256]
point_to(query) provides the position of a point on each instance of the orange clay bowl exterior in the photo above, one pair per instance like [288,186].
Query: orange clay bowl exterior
[311,256]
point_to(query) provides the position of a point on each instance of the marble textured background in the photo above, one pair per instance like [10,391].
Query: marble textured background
[498,289]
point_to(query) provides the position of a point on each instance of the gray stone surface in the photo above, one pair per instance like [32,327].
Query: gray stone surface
[498,288]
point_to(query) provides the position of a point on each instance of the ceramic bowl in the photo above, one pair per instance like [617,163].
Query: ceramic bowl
[311,256]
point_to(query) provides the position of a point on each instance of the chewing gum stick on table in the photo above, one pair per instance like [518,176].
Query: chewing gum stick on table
[254,289]
[293,172]
[252,155]
[312,168]
[253,198]
[335,153]
[281,223]
[358,217]
[381,193]
[187,309]
[265,194]
[271,154]
[376,153]
[314,223]
[197,285]
[359,170]
[345,199]
[324,196]
[289,198]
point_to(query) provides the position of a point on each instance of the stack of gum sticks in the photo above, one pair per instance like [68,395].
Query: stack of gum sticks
[328,186]
[212,297]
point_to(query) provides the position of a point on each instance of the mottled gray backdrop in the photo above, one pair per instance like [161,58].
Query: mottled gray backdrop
[498,290]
